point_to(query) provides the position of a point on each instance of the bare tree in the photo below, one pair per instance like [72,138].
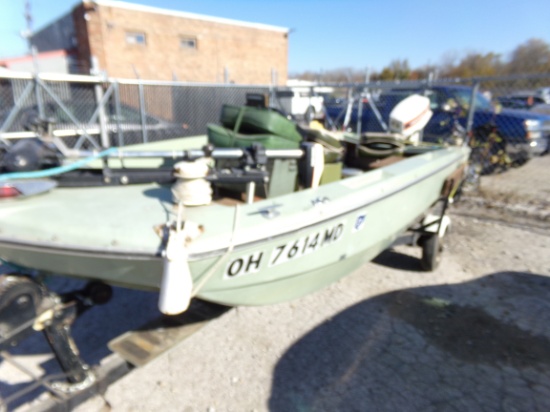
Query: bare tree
[532,56]
[475,65]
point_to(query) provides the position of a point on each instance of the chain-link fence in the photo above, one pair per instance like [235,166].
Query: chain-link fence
[507,119]
[88,112]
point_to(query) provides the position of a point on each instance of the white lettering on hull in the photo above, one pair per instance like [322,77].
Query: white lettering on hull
[285,252]
[305,245]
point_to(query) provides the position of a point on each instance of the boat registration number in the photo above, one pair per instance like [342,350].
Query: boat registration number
[285,252]
[306,245]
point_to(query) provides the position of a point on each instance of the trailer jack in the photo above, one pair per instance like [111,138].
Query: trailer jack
[26,307]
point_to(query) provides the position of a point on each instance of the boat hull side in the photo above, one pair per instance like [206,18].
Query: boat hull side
[366,232]
[292,287]
[138,272]
[275,268]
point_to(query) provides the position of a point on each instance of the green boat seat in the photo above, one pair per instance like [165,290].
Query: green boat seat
[220,136]
[282,172]
[254,120]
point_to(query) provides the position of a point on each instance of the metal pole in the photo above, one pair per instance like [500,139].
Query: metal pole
[105,141]
[141,105]
[472,108]
[272,97]
[142,112]
[226,75]
[360,114]
[33,52]
[193,154]
[274,78]
[376,112]
[349,109]
[38,95]
[118,114]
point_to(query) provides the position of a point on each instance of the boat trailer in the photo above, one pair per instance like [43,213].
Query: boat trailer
[28,307]
[428,234]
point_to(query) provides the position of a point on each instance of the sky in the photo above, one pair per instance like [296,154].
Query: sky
[358,34]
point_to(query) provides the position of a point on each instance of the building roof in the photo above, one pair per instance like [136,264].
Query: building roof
[175,13]
[29,57]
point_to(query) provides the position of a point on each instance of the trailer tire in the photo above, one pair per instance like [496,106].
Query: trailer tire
[20,299]
[431,252]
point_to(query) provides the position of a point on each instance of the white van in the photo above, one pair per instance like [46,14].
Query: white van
[300,102]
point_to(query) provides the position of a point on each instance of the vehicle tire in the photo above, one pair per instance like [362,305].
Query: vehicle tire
[522,158]
[99,292]
[20,298]
[431,252]
[20,291]
[25,155]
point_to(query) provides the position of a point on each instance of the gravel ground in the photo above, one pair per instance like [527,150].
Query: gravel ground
[471,335]
[520,195]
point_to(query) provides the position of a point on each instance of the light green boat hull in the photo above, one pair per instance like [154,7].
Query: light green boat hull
[246,256]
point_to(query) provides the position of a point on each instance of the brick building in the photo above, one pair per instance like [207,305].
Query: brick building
[129,40]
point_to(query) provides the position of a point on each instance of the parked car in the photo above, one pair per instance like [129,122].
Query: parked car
[522,133]
[541,108]
[518,100]
[300,102]
[544,94]
[545,110]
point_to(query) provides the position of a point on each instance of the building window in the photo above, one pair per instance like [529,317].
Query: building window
[188,42]
[134,37]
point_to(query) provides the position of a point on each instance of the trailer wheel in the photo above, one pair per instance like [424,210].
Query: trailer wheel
[431,252]
[20,298]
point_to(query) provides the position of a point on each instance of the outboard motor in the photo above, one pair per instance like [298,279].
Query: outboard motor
[407,121]
[409,117]
[27,155]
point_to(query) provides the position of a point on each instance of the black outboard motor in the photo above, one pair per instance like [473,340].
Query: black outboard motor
[30,154]
[27,155]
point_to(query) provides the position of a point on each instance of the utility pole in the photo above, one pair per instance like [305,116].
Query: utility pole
[27,34]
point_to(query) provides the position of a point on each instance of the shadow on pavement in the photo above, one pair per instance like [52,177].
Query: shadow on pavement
[396,260]
[480,345]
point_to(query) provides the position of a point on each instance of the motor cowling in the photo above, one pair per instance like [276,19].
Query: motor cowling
[410,116]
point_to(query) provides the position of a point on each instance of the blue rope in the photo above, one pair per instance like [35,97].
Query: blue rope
[54,171]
